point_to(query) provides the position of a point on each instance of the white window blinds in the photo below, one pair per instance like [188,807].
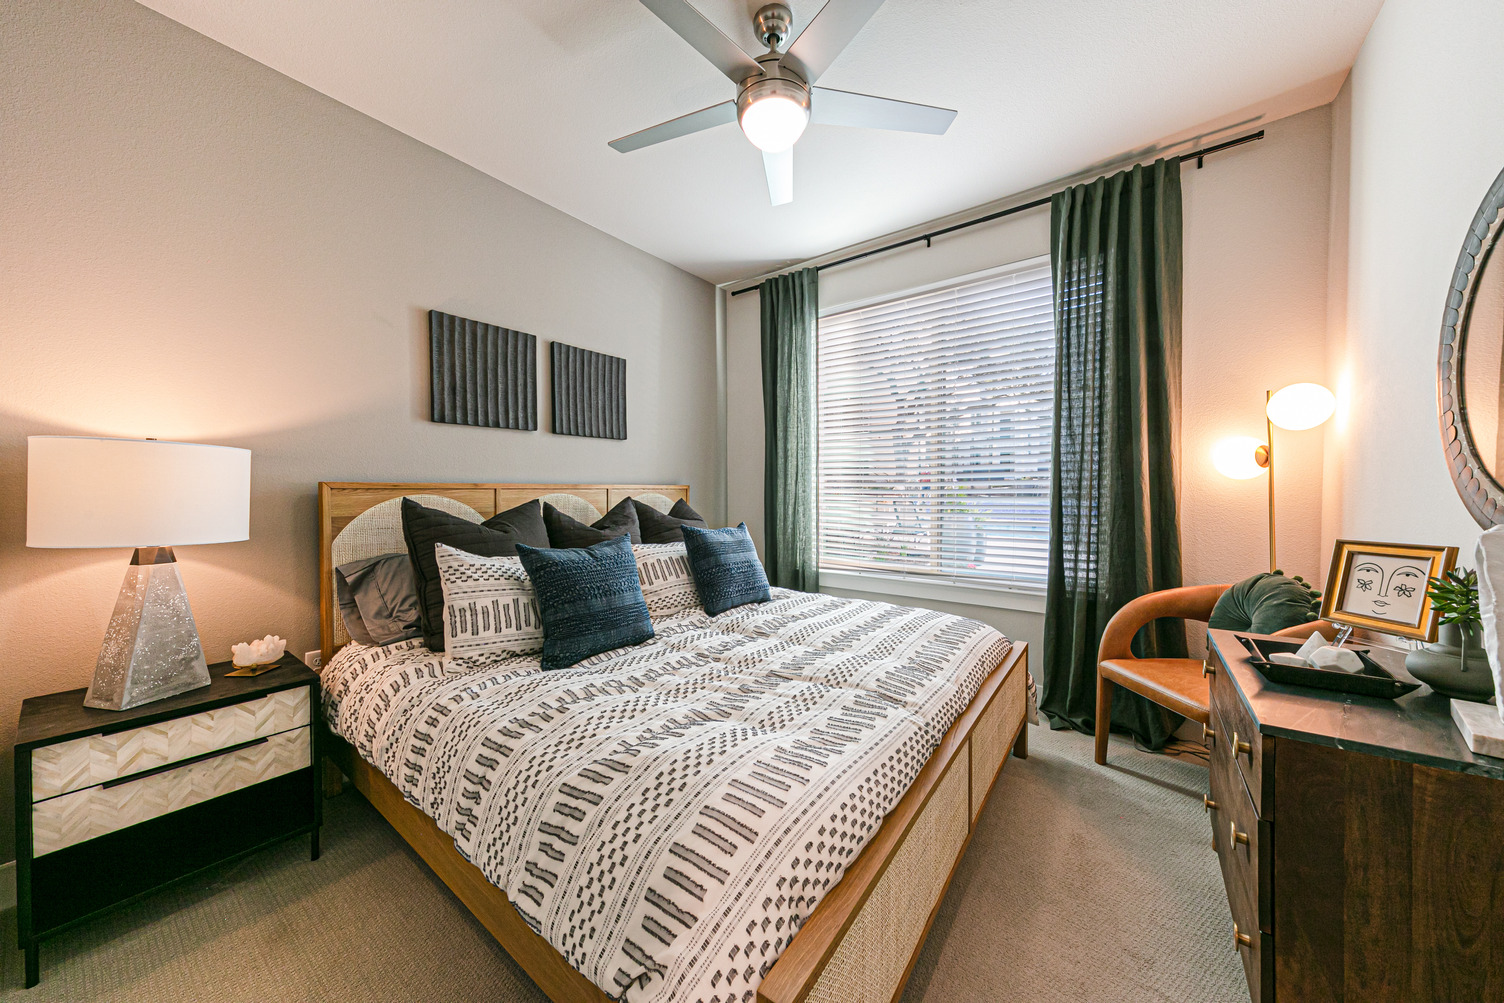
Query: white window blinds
[935,421]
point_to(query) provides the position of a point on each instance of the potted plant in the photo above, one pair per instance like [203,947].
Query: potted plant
[1456,664]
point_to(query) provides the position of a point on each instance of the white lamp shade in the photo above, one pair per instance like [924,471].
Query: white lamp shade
[1300,406]
[1237,457]
[90,492]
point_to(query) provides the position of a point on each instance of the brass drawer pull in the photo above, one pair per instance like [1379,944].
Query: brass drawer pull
[1240,939]
[1241,748]
[1208,736]
[1238,837]
[1207,804]
[1206,668]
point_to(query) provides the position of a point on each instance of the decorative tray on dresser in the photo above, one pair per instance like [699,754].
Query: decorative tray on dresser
[112,804]
[1361,842]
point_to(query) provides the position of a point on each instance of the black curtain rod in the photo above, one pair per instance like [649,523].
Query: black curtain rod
[1197,155]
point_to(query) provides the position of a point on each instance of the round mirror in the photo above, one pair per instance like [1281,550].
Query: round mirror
[1471,366]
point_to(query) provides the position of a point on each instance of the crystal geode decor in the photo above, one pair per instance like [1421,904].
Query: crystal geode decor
[151,649]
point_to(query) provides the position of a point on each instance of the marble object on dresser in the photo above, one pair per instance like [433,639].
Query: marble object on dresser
[1480,726]
[1489,560]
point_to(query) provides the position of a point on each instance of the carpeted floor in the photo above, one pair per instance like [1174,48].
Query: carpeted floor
[1081,883]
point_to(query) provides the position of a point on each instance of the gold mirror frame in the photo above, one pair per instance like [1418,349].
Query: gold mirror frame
[1480,490]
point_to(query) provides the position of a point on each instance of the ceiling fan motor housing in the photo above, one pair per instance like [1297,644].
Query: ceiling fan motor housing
[775,82]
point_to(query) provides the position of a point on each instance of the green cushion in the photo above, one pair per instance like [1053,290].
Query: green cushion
[1264,604]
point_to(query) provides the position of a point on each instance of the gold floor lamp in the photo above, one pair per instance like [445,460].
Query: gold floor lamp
[1295,408]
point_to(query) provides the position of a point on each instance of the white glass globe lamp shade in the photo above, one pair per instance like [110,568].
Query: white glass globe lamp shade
[773,114]
[1300,406]
[1239,457]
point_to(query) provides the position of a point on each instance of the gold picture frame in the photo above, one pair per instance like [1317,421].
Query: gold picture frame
[1383,586]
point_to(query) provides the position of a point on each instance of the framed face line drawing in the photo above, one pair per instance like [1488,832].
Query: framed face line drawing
[1382,586]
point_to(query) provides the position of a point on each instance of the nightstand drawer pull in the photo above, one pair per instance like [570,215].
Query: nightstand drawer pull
[1239,938]
[1208,736]
[1241,748]
[183,762]
[1237,837]
[1206,668]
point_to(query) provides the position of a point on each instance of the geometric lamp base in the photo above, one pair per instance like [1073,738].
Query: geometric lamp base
[151,649]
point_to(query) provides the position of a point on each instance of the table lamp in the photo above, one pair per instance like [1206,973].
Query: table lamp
[83,491]
[1295,408]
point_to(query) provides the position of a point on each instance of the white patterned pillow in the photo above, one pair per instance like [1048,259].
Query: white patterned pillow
[489,608]
[667,585]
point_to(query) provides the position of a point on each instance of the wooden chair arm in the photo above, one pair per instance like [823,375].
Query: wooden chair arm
[1193,602]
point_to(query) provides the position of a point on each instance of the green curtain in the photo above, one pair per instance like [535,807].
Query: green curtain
[1114,512]
[790,315]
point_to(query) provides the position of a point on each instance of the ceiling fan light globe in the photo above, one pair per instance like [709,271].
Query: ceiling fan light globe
[775,123]
[773,112]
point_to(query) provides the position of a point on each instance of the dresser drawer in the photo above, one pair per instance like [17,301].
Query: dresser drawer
[1242,840]
[1243,843]
[82,815]
[1256,950]
[87,762]
[1241,738]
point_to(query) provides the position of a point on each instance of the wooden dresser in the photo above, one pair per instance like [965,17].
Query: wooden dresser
[1361,842]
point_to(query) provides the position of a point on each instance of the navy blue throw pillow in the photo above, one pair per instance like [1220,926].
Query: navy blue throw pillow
[725,567]
[589,598]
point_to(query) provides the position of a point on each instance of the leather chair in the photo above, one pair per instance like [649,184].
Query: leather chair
[1179,684]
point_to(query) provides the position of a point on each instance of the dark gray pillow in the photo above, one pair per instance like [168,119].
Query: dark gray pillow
[498,536]
[565,531]
[378,597]
[660,528]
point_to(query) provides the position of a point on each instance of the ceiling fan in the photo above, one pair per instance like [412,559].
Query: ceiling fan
[775,93]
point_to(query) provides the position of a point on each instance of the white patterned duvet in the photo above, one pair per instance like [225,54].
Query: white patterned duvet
[667,815]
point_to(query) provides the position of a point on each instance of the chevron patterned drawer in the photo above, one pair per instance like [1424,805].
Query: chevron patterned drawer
[73,818]
[87,762]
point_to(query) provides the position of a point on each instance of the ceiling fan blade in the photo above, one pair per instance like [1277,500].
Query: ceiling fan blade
[708,40]
[867,111]
[780,169]
[823,38]
[695,121]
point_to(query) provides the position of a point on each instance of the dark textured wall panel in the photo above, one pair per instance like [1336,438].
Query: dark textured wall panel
[483,374]
[590,393]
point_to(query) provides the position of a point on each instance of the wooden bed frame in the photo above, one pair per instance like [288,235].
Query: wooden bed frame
[860,944]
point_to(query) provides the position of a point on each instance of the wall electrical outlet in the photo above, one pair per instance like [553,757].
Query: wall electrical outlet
[313,659]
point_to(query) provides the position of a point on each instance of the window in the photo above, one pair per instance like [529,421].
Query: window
[935,426]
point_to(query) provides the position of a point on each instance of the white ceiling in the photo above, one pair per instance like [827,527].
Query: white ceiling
[530,91]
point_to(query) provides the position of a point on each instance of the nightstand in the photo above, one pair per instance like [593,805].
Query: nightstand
[123,802]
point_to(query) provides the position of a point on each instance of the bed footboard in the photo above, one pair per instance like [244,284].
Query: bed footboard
[861,942]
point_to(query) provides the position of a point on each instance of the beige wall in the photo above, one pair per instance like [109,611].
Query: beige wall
[1256,227]
[193,246]
[1422,109]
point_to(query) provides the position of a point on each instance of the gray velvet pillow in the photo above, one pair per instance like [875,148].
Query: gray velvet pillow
[660,527]
[378,597]
[567,532]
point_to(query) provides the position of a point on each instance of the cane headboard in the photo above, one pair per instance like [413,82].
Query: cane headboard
[363,520]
